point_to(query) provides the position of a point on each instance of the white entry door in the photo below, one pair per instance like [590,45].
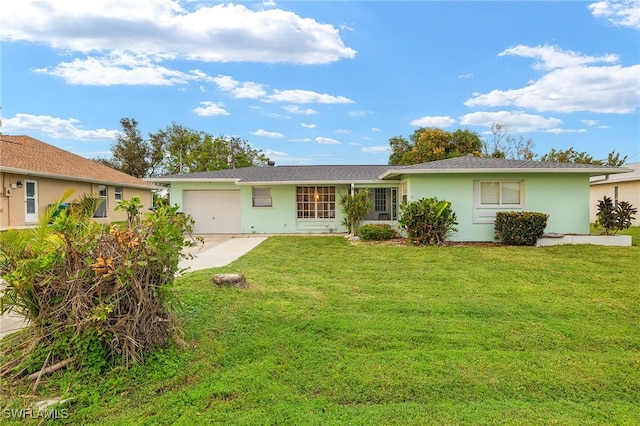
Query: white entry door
[30,201]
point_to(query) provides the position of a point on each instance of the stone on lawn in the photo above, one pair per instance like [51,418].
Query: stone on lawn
[230,280]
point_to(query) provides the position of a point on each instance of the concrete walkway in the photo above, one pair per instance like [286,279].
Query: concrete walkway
[216,251]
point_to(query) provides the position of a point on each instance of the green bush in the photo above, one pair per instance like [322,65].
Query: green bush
[613,218]
[520,228]
[428,221]
[376,232]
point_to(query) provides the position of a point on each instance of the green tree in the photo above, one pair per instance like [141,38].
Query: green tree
[177,149]
[355,207]
[189,151]
[131,154]
[430,144]
[570,155]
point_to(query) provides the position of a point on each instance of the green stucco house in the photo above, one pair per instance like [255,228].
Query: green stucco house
[305,199]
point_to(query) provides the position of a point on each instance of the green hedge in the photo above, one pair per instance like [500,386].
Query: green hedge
[376,232]
[520,228]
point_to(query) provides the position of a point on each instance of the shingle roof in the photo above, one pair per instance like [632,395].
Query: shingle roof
[470,163]
[24,154]
[370,174]
[623,177]
[287,174]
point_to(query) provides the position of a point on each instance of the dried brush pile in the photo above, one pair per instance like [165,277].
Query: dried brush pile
[94,296]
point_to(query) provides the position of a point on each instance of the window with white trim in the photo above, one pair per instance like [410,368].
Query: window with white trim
[316,202]
[262,197]
[500,193]
[380,199]
[117,193]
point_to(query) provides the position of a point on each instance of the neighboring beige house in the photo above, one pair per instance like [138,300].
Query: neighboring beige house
[618,187]
[34,174]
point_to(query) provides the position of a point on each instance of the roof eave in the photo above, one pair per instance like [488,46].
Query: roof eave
[74,178]
[577,170]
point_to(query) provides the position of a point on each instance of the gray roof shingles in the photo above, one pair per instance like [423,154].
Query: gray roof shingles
[378,173]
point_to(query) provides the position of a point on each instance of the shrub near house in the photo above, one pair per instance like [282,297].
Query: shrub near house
[520,228]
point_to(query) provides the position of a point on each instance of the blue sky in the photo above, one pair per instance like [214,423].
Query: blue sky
[323,82]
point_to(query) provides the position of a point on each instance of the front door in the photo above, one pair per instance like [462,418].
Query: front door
[30,201]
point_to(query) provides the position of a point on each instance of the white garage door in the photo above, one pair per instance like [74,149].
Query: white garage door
[214,212]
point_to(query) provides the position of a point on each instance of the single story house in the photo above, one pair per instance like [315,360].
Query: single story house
[305,199]
[35,174]
[618,187]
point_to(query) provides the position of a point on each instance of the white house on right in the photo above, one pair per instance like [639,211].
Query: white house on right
[618,187]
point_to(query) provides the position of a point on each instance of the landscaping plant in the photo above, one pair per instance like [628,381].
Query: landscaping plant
[355,207]
[376,232]
[612,218]
[428,221]
[520,228]
[93,295]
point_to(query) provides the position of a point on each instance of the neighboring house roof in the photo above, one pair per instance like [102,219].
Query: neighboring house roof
[369,174]
[633,175]
[26,155]
[285,174]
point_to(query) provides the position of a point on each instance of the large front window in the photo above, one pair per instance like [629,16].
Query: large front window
[316,202]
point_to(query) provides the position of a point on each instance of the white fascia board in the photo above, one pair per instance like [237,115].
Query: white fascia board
[591,172]
[316,182]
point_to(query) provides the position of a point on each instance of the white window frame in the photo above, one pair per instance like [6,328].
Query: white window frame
[486,213]
[316,202]
[117,193]
[262,196]
[478,193]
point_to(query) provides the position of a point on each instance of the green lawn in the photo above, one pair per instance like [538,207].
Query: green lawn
[331,333]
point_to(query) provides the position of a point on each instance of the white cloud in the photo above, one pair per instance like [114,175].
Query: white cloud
[237,89]
[54,127]
[210,33]
[465,76]
[299,96]
[359,113]
[375,129]
[559,131]
[308,126]
[294,109]
[118,68]
[267,134]
[570,84]
[619,13]
[300,140]
[210,109]
[327,141]
[342,132]
[433,121]
[517,121]
[590,123]
[374,149]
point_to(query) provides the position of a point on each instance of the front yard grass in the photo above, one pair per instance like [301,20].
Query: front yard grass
[332,333]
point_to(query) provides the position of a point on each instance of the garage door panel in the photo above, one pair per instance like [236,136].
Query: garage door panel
[214,212]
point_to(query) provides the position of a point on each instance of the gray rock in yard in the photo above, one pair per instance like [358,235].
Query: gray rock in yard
[230,280]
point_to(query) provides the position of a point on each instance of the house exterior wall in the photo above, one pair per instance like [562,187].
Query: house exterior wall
[563,197]
[627,191]
[280,218]
[49,190]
